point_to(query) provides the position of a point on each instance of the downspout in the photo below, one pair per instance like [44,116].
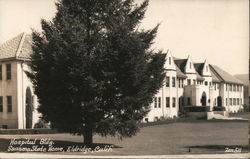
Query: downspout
[23,97]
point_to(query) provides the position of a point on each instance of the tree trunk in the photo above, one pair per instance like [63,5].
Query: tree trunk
[88,134]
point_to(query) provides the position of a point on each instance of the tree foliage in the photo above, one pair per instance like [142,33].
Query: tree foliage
[92,68]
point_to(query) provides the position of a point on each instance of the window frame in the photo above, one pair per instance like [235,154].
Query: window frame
[1,103]
[159,102]
[9,104]
[1,72]
[173,82]
[8,71]
[167,81]
[155,102]
[167,102]
[173,102]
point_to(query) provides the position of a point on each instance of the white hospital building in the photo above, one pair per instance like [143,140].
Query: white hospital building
[187,84]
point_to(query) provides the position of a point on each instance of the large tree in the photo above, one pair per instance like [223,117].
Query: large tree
[93,70]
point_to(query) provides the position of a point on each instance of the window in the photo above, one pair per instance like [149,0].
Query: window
[189,81]
[159,102]
[155,102]
[205,83]
[214,86]
[169,60]
[226,101]
[237,88]
[230,87]
[238,101]
[189,101]
[230,101]
[179,83]
[194,81]
[1,104]
[167,102]
[0,72]
[167,81]
[180,101]
[226,87]
[173,81]
[190,65]
[234,101]
[182,83]
[233,87]
[174,102]
[207,68]
[210,84]
[9,103]
[8,71]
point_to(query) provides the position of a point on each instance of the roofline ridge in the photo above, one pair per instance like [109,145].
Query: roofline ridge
[217,72]
[9,40]
[20,45]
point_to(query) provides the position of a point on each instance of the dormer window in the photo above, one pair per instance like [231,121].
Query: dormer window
[169,60]
[207,68]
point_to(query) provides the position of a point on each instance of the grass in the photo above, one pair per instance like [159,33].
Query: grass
[244,115]
[206,137]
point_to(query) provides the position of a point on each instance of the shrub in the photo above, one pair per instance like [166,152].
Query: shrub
[197,109]
[246,108]
[41,124]
[29,131]
[219,108]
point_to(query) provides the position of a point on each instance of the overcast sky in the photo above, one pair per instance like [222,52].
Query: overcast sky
[216,30]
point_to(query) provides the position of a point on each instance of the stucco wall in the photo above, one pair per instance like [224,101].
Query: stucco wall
[9,88]
[24,84]
[16,87]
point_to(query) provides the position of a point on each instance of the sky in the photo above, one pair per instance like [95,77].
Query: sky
[216,30]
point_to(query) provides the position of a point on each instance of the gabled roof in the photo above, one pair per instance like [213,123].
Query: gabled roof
[215,77]
[179,73]
[199,77]
[181,63]
[223,75]
[198,67]
[18,47]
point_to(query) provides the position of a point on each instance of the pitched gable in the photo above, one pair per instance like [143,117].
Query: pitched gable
[189,67]
[169,64]
[206,69]
[203,68]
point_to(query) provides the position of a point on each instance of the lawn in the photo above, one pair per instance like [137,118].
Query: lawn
[244,115]
[206,137]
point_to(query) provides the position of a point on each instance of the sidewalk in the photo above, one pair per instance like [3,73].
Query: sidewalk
[33,155]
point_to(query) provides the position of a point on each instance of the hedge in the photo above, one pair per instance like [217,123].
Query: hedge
[197,109]
[29,131]
[219,108]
